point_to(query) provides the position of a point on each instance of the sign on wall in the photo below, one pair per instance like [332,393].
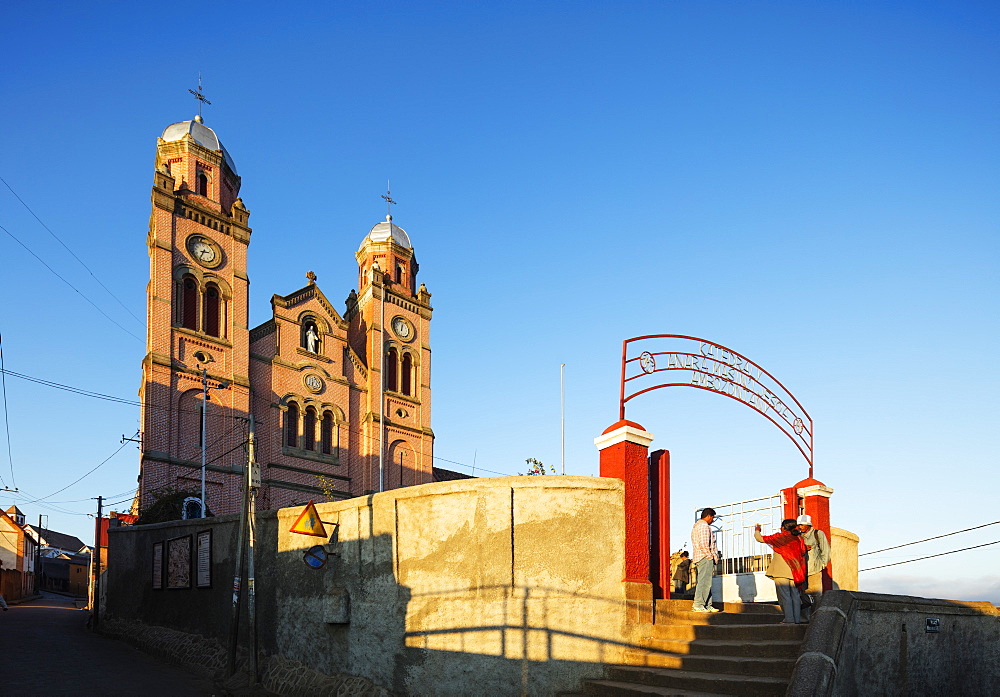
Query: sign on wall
[157,566]
[179,562]
[203,574]
[674,360]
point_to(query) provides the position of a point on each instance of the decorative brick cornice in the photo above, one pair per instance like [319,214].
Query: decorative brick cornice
[260,331]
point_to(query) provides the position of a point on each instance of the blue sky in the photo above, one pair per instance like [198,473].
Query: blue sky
[810,183]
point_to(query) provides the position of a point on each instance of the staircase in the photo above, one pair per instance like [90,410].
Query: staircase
[741,651]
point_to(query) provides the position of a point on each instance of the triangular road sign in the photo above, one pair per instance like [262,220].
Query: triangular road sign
[308,523]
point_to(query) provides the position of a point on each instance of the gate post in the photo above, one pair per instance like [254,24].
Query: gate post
[659,504]
[624,448]
[816,502]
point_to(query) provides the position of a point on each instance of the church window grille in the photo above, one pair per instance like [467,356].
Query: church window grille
[189,304]
[292,425]
[407,374]
[326,433]
[309,429]
[212,310]
[392,370]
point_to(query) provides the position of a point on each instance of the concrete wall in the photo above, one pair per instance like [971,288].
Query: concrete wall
[844,557]
[502,586]
[863,644]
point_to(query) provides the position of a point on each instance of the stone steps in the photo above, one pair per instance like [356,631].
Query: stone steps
[713,683]
[723,647]
[741,651]
[727,632]
[613,688]
[728,665]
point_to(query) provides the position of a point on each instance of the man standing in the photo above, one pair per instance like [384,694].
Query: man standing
[817,557]
[704,556]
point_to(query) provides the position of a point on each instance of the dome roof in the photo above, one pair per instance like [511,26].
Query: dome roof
[202,135]
[384,231]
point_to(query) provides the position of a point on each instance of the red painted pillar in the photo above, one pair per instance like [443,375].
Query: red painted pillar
[790,504]
[816,499]
[624,450]
[659,490]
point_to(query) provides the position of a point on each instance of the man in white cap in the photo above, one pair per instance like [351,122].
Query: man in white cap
[817,557]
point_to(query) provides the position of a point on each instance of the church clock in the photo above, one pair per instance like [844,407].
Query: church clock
[204,251]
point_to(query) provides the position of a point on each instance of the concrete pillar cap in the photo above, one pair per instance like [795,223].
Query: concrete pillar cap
[624,432]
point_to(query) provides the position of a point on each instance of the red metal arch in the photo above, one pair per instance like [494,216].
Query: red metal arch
[804,444]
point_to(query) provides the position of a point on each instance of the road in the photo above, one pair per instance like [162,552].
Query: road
[48,651]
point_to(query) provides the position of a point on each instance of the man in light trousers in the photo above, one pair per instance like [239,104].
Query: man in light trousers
[704,556]
[817,557]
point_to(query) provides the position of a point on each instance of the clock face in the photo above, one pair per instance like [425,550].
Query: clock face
[203,251]
[402,328]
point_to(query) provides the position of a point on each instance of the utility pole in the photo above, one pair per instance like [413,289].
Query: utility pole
[234,617]
[253,484]
[204,445]
[38,557]
[96,605]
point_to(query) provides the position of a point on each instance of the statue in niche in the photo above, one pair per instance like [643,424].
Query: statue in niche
[312,338]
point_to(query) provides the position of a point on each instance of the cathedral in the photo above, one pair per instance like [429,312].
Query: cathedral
[340,401]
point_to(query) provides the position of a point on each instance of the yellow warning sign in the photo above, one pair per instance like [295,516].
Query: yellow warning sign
[308,523]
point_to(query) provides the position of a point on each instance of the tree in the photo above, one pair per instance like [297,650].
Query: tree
[536,467]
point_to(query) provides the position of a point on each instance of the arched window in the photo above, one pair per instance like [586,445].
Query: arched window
[189,303]
[407,373]
[201,183]
[326,433]
[292,425]
[392,370]
[310,339]
[399,273]
[212,307]
[309,429]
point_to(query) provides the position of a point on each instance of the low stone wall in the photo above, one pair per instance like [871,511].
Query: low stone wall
[862,644]
[500,586]
[209,658]
[844,558]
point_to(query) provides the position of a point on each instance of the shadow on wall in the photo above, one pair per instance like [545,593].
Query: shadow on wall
[509,586]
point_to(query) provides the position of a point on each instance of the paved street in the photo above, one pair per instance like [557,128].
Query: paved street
[47,650]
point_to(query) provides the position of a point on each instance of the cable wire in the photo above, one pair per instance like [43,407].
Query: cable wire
[77,290]
[93,275]
[6,419]
[937,537]
[931,556]
[120,448]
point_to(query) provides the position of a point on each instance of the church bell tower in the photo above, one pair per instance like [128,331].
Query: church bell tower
[197,317]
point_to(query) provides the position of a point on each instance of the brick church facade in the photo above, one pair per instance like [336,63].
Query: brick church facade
[328,390]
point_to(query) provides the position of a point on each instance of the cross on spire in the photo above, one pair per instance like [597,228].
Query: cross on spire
[388,202]
[199,95]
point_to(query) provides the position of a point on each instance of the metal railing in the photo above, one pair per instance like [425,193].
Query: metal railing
[739,552]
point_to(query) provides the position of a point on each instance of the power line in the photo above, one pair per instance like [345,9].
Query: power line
[6,419]
[81,478]
[931,556]
[936,537]
[110,398]
[40,222]
[77,290]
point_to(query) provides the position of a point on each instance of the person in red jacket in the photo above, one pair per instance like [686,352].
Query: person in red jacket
[787,568]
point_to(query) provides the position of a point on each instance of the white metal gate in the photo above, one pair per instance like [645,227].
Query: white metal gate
[739,552]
